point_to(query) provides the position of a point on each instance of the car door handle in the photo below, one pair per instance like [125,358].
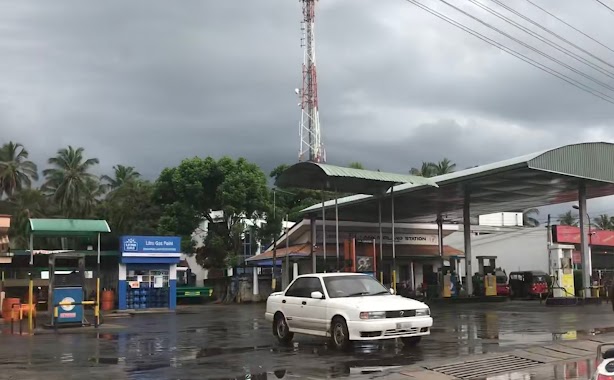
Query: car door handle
[283,301]
[304,302]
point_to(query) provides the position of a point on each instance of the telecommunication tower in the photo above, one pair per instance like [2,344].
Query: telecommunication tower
[311,148]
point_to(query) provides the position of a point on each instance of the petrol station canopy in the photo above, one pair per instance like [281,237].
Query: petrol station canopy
[68,227]
[544,178]
[315,176]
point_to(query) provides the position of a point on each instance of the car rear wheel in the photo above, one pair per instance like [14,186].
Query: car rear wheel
[340,336]
[282,331]
[411,341]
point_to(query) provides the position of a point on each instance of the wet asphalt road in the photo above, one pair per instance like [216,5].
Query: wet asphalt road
[234,341]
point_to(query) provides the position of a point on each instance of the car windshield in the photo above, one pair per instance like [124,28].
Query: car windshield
[353,286]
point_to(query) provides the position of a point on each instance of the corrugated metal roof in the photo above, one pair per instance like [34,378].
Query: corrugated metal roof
[68,227]
[315,176]
[532,180]
[592,161]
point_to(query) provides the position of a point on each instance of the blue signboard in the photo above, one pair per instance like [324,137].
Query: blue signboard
[68,313]
[150,245]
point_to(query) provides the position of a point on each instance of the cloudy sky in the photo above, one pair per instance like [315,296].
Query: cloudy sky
[149,82]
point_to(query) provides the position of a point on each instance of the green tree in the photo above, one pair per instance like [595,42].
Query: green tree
[122,174]
[71,185]
[426,170]
[189,193]
[16,171]
[432,169]
[568,219]
[529,217]
[356,165]
[130,209]
[23,205]
[444,166]
[604,222]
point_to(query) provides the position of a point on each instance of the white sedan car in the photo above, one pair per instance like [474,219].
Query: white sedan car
[346,307]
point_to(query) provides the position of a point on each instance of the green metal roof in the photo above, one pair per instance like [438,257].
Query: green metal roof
[23,252]
[544,178]
[315,176]
[68,227]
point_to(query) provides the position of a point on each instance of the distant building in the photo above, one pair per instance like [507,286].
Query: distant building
[501,219]
[251,246]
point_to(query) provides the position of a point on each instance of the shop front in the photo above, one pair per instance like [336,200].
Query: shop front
[148,272]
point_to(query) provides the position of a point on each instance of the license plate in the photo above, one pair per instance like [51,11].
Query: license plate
[404,326]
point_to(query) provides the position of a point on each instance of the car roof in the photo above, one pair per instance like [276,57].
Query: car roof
[333,274]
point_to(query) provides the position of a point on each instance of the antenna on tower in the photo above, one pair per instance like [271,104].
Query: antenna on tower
[311,148]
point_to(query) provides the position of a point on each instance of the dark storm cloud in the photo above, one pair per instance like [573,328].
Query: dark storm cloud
[148,83]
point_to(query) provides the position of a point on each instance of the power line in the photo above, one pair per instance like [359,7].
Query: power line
[571,68]
[512,10]
[516,54]
[569,25]
[604,4]
[549,42]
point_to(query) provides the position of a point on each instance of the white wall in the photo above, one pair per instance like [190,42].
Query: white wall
[501,219]
[516,249]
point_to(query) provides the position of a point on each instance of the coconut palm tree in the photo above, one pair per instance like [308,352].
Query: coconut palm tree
[604,222]
[356,165]
[432,169]
[444,166]
[16,171]
[23,205]
[122,174]
[528,217]
[69,182]
[426,170]
[568,219]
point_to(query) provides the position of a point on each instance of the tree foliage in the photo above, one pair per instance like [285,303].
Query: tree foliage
[529,217]
[604,222]
[568,219]
[71,184]
[432,169]
[190,192]
[16,171]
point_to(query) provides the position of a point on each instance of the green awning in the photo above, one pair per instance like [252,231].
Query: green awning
[68,227]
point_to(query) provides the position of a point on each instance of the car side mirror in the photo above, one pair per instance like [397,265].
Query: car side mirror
[317,295]
[392,291]
[609,354]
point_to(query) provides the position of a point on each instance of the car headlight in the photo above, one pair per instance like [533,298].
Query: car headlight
[423,312]
[372,315]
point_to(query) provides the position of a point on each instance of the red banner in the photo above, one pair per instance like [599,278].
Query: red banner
[571,235]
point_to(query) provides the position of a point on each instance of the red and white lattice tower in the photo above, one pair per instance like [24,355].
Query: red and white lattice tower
[311,148]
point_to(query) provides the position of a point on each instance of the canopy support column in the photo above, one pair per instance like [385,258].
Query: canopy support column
[97,309]
[31,287]
[324,231]
[337,231]
[312,239]
[394,253]
[584,246]
[467,238]
[381,241]
[440,236]
[286,272]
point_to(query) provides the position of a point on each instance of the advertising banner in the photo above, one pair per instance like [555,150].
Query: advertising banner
[150,246]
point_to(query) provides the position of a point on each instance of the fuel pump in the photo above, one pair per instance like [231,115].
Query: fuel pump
[561,270]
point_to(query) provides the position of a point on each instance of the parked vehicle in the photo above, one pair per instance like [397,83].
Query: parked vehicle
[528,284]
[346,307]
[503,288]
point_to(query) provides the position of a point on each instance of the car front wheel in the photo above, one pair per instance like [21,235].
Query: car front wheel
[282,331]
[411,341]
[340,336]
